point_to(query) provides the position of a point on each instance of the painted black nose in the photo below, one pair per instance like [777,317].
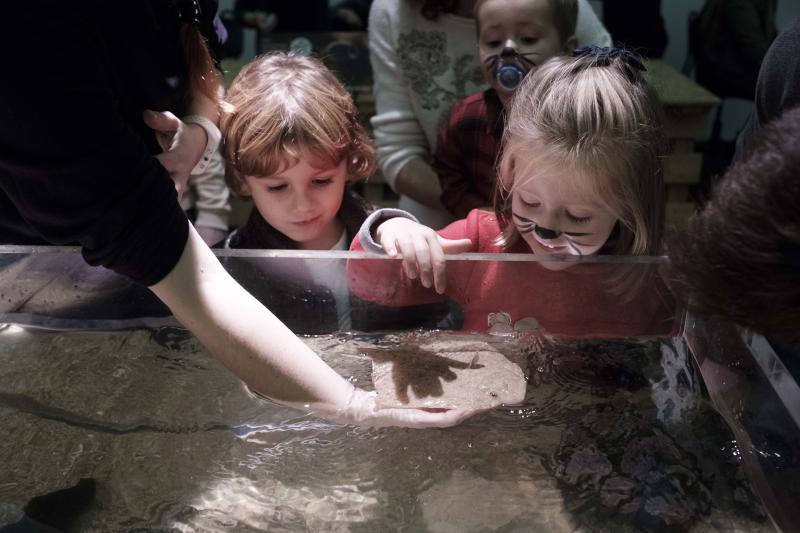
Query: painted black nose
[508,51]
[546,233]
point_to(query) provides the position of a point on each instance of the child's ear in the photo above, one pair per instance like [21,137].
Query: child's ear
[570,45]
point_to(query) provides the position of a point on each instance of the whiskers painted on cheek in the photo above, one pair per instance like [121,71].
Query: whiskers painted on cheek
[526,225]
[573,246]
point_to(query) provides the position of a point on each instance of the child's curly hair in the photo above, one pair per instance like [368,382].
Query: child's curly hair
[285,107]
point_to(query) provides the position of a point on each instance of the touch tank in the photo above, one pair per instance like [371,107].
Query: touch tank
[634,419]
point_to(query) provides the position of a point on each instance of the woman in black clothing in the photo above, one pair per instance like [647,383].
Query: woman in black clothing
[76,165]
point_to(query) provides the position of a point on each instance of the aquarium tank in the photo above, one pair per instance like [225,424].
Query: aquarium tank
[632,415]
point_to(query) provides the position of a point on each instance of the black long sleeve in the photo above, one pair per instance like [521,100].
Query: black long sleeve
[76,159]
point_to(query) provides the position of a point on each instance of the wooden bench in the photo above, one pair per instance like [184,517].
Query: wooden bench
[687,108]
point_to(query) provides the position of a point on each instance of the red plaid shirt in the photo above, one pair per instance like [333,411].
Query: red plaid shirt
[466,152]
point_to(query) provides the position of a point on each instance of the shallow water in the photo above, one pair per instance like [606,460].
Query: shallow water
[613,436]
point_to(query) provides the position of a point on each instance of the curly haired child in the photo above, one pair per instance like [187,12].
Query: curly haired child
[293,143]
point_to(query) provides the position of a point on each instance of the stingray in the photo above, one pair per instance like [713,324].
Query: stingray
[453,373]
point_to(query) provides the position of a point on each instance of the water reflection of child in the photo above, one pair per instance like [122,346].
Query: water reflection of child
[513,39]
[293,143]
[580,174]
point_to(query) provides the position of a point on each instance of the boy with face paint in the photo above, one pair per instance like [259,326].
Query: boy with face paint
[514,37]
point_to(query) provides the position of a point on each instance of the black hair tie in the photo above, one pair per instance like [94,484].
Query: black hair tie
[189,11]
[604,55]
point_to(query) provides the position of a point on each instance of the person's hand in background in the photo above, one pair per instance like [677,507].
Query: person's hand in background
[182,144]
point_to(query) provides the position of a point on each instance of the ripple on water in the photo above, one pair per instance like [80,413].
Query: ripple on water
[206,455]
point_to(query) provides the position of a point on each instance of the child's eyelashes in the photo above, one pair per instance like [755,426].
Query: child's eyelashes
[572,218]
[524,40]
[578,220]
[316,182]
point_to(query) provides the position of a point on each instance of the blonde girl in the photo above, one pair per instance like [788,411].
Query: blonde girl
[580,174]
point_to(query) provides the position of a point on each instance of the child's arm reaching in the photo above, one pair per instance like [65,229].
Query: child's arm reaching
[422,250]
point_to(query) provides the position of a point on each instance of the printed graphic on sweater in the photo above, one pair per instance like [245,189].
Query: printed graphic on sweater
[423,57]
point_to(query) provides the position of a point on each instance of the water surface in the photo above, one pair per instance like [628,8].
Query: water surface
[613,436]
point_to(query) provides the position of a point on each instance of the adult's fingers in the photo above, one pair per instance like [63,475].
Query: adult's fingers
[421,419]
[179,174]
[163,121]
[164,124]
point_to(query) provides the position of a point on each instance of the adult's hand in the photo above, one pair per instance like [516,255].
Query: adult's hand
[182,144]
[362,410]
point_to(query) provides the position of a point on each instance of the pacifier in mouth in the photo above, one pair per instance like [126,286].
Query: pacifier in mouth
[510,68]
[509,77]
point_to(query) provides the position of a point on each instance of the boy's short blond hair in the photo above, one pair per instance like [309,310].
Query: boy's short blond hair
[598,116]
[283,108]
[565,17]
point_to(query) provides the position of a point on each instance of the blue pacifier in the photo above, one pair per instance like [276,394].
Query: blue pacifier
[510,68]
[509,76]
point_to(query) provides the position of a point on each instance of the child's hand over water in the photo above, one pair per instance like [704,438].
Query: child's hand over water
[421,249]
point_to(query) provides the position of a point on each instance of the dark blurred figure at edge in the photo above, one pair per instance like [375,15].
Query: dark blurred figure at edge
[636,25]
[727,42]
[740,257]
[778,90]
[778,85]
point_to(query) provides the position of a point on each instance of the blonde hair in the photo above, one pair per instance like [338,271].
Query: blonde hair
[596,114]
[283,108]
